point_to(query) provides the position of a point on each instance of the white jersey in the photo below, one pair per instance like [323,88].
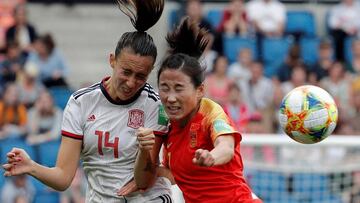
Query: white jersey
[107,129]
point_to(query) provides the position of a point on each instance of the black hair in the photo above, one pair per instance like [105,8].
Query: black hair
[48,42]
[186,44]
[143,14]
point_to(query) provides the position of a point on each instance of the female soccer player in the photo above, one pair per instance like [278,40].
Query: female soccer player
[202,149]
[101,122]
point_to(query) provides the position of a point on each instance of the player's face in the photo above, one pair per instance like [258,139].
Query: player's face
[130,72]
[178,94]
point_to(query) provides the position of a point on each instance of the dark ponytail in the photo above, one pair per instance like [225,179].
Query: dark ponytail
[188,38]
[186,45]
[143,14]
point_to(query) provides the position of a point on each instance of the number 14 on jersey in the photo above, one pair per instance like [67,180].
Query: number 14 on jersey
[107,143]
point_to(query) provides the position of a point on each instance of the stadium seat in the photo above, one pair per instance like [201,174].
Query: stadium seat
[61,95]
[300,22]
[232,46]
[172,18]
[48,153]
[2,181]
[348,49]
[309,47]
[8,144]
[51,197]
[214,16]
[274,52]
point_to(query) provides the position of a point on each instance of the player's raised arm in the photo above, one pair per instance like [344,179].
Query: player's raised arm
[58,177]
[145,165]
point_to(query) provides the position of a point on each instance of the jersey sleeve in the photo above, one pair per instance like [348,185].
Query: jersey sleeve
[158,120]
[71,125]
[220,124]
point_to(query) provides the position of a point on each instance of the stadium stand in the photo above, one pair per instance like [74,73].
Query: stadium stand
[233,45]
[300,23]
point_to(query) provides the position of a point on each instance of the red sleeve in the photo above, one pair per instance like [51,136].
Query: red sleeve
[165,160]
[159,134]
[226,16]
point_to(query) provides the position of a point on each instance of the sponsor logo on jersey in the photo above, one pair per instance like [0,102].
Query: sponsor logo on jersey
[162,119]
[136,118]
[221,126]
[91,118]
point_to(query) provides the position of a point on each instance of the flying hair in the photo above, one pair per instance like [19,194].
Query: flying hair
[143,14]
[188,38]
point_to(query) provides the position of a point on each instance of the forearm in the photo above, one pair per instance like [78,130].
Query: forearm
[55,177]
[145,169]
[162,171]
[222,153]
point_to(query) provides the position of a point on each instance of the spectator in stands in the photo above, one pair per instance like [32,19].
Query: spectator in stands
[338,87]
[29,86]
[321,68]
[13,64]
[76,192]
[236,108]
[13,115]
[44,120]
[298,78]
[16,188]
[258,94]
[7,8]
[194,9]
[344,22]
[52,65]
[353,66]
[293,59]
[217,83]
[240,70]
[355,115]
[234,20]
[268,19]
[22,31]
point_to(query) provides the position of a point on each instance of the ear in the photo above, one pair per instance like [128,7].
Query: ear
[112,60]
[200,91]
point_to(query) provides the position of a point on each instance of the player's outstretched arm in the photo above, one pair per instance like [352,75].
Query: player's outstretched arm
[145,165]
[221,154]
[58,177]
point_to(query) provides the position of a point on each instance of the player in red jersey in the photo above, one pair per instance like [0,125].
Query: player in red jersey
[202,148]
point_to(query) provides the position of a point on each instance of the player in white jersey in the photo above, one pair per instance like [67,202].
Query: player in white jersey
[102,123]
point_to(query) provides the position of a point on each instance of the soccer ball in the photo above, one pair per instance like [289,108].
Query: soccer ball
[308,114]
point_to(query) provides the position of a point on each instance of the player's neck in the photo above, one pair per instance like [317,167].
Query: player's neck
[110,90]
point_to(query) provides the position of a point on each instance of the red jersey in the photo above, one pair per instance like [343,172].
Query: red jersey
[224,183]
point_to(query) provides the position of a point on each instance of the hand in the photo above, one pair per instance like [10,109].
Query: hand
[128,188]
[146,138]
[203,158]
[19,162]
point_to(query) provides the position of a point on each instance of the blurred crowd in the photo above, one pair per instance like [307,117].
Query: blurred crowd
[251,89]
[31,70]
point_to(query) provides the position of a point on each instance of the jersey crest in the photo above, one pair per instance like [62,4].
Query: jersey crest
[193,134]
[136,118]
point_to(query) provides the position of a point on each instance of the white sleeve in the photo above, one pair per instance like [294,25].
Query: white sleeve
[157,119]
[72,120]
